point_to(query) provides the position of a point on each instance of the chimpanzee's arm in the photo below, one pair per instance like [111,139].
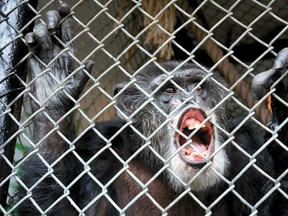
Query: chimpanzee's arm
[272,78]
[260,86]
[54,84]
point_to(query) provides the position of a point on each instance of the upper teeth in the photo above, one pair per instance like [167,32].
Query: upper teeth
[195,125]
[191,127]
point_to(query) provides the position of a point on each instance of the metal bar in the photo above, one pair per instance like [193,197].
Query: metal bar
[14,15]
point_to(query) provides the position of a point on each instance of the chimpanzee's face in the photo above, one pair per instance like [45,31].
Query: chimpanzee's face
[180,118]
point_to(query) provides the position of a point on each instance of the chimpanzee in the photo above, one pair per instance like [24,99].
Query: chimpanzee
[174,148]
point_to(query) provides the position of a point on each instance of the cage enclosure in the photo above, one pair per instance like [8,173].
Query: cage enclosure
[232,39]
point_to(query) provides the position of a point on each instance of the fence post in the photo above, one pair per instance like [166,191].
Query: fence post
[14,15]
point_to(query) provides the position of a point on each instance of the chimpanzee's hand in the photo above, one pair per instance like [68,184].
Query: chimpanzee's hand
[262,83]
[51,66]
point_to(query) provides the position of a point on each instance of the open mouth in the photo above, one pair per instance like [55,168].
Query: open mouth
[201,146]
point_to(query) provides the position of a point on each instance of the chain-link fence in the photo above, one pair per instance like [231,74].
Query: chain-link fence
[131,43]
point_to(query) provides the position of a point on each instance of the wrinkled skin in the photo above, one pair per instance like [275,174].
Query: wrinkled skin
[54,83]
[159,107]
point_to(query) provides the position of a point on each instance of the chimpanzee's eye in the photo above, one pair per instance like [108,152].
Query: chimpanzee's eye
[170,90]
[200,87]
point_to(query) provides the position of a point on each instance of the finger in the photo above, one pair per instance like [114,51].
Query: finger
[42,36]
[66,26]
[81,79]
[66,30]
[281,60]
[89,65]
[262,82]
[30,39]
[33,68]
[52,19]
[64,9]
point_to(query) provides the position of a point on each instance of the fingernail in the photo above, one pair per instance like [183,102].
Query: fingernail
[29,38]
[64,9]
[42,36]
[52,19]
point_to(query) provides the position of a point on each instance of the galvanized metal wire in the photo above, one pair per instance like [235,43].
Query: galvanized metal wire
[114,34]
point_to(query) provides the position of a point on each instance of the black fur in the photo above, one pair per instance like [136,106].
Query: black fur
[88,178]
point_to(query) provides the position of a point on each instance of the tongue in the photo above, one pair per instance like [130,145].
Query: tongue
[199,147]
[188,150]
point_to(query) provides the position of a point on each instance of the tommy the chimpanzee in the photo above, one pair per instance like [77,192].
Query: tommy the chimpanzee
[173,150]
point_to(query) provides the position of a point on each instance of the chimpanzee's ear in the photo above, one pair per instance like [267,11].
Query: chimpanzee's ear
[126,96]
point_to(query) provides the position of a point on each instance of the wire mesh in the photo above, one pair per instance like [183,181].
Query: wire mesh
[234,40]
